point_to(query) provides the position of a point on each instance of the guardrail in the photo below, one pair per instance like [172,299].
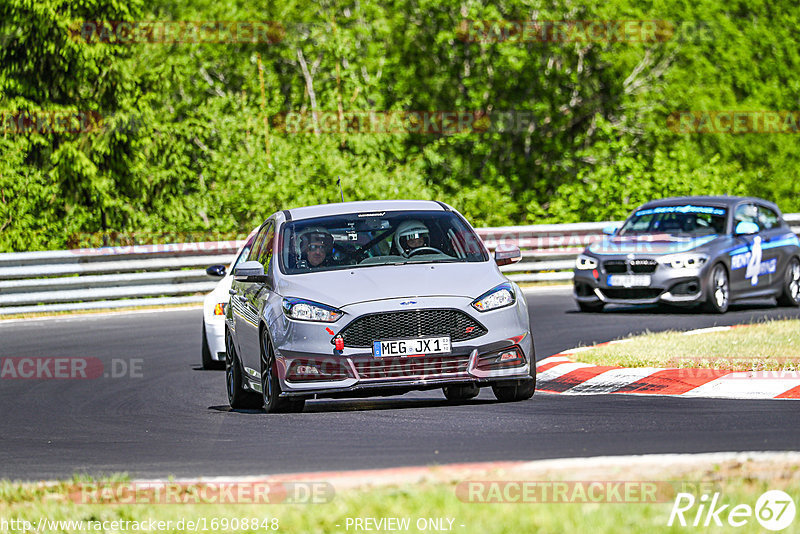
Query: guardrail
[147,275]
[109,277]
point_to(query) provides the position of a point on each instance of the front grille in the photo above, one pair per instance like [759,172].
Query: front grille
[411,324]
[615,266]
[631,293]
[408,367]
[643,266]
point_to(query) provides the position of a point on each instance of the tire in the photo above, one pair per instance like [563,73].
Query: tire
[591,307]
[461,392]
[209,363]
[238,397]
[719,290]
[519,392]
[790,292]
[270,383]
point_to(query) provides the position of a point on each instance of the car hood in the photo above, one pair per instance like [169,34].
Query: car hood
[649,244]
[351,286]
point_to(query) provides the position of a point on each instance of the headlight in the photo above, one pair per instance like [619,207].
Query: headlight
[499,297]
[220,308]
[684,261]
[307,310]
[585,263]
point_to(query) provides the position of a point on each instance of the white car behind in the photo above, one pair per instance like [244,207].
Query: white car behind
[214,306]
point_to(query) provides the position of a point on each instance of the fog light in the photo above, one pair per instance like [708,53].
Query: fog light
[307,370]
[508,355]
[315,370]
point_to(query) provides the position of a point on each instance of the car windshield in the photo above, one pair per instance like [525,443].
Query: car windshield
[683,219]
[382,238]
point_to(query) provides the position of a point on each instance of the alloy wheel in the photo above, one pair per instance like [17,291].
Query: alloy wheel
[794,280]
[721,290]
[267,370]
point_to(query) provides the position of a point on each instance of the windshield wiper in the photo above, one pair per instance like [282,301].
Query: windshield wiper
[448,260]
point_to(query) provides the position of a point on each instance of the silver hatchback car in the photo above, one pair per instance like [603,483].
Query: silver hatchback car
[374,298]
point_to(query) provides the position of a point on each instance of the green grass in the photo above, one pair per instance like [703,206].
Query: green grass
[768,346]
[737,485]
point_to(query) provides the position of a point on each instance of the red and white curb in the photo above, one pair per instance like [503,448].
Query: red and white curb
[559,374]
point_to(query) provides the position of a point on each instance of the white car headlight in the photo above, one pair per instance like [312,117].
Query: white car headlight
[585,263]
[308,310]
[499,297]
[684,261]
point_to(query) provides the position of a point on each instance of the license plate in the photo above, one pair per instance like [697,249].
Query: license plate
[411,347]
[629,280]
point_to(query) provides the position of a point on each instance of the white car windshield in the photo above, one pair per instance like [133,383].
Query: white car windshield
[683,219]
[369,239]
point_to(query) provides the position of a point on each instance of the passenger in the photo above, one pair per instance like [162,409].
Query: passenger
[411,235]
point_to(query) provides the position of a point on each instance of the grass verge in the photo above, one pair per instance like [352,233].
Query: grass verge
[430,506]
[768,346]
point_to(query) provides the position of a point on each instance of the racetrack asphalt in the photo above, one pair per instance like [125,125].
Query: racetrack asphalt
[172,418]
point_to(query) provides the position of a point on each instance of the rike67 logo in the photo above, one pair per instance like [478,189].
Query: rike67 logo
[774,510]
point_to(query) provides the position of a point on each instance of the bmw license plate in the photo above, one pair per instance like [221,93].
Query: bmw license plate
[629,280]
[411,347]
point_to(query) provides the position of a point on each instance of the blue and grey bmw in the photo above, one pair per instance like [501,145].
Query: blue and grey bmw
[690,251]
[374,298]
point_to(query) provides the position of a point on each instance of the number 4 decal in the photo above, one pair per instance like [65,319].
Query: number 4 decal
[754,265]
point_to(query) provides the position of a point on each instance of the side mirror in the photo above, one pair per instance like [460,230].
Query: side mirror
[610,230]
[216,270]
[249,271]
[746,228]
[507,255]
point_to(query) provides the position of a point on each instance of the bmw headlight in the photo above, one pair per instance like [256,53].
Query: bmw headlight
[499,297]
[684,261]
[585,263]
[308,310]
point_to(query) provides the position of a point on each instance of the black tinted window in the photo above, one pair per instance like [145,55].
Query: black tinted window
[767,218]
[746,213]
[265,254]
[258,243]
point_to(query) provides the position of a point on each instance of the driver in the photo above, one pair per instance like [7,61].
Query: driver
[316,245]
[411,235]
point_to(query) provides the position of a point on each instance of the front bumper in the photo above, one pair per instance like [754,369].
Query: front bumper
[673,286]
[302,345]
